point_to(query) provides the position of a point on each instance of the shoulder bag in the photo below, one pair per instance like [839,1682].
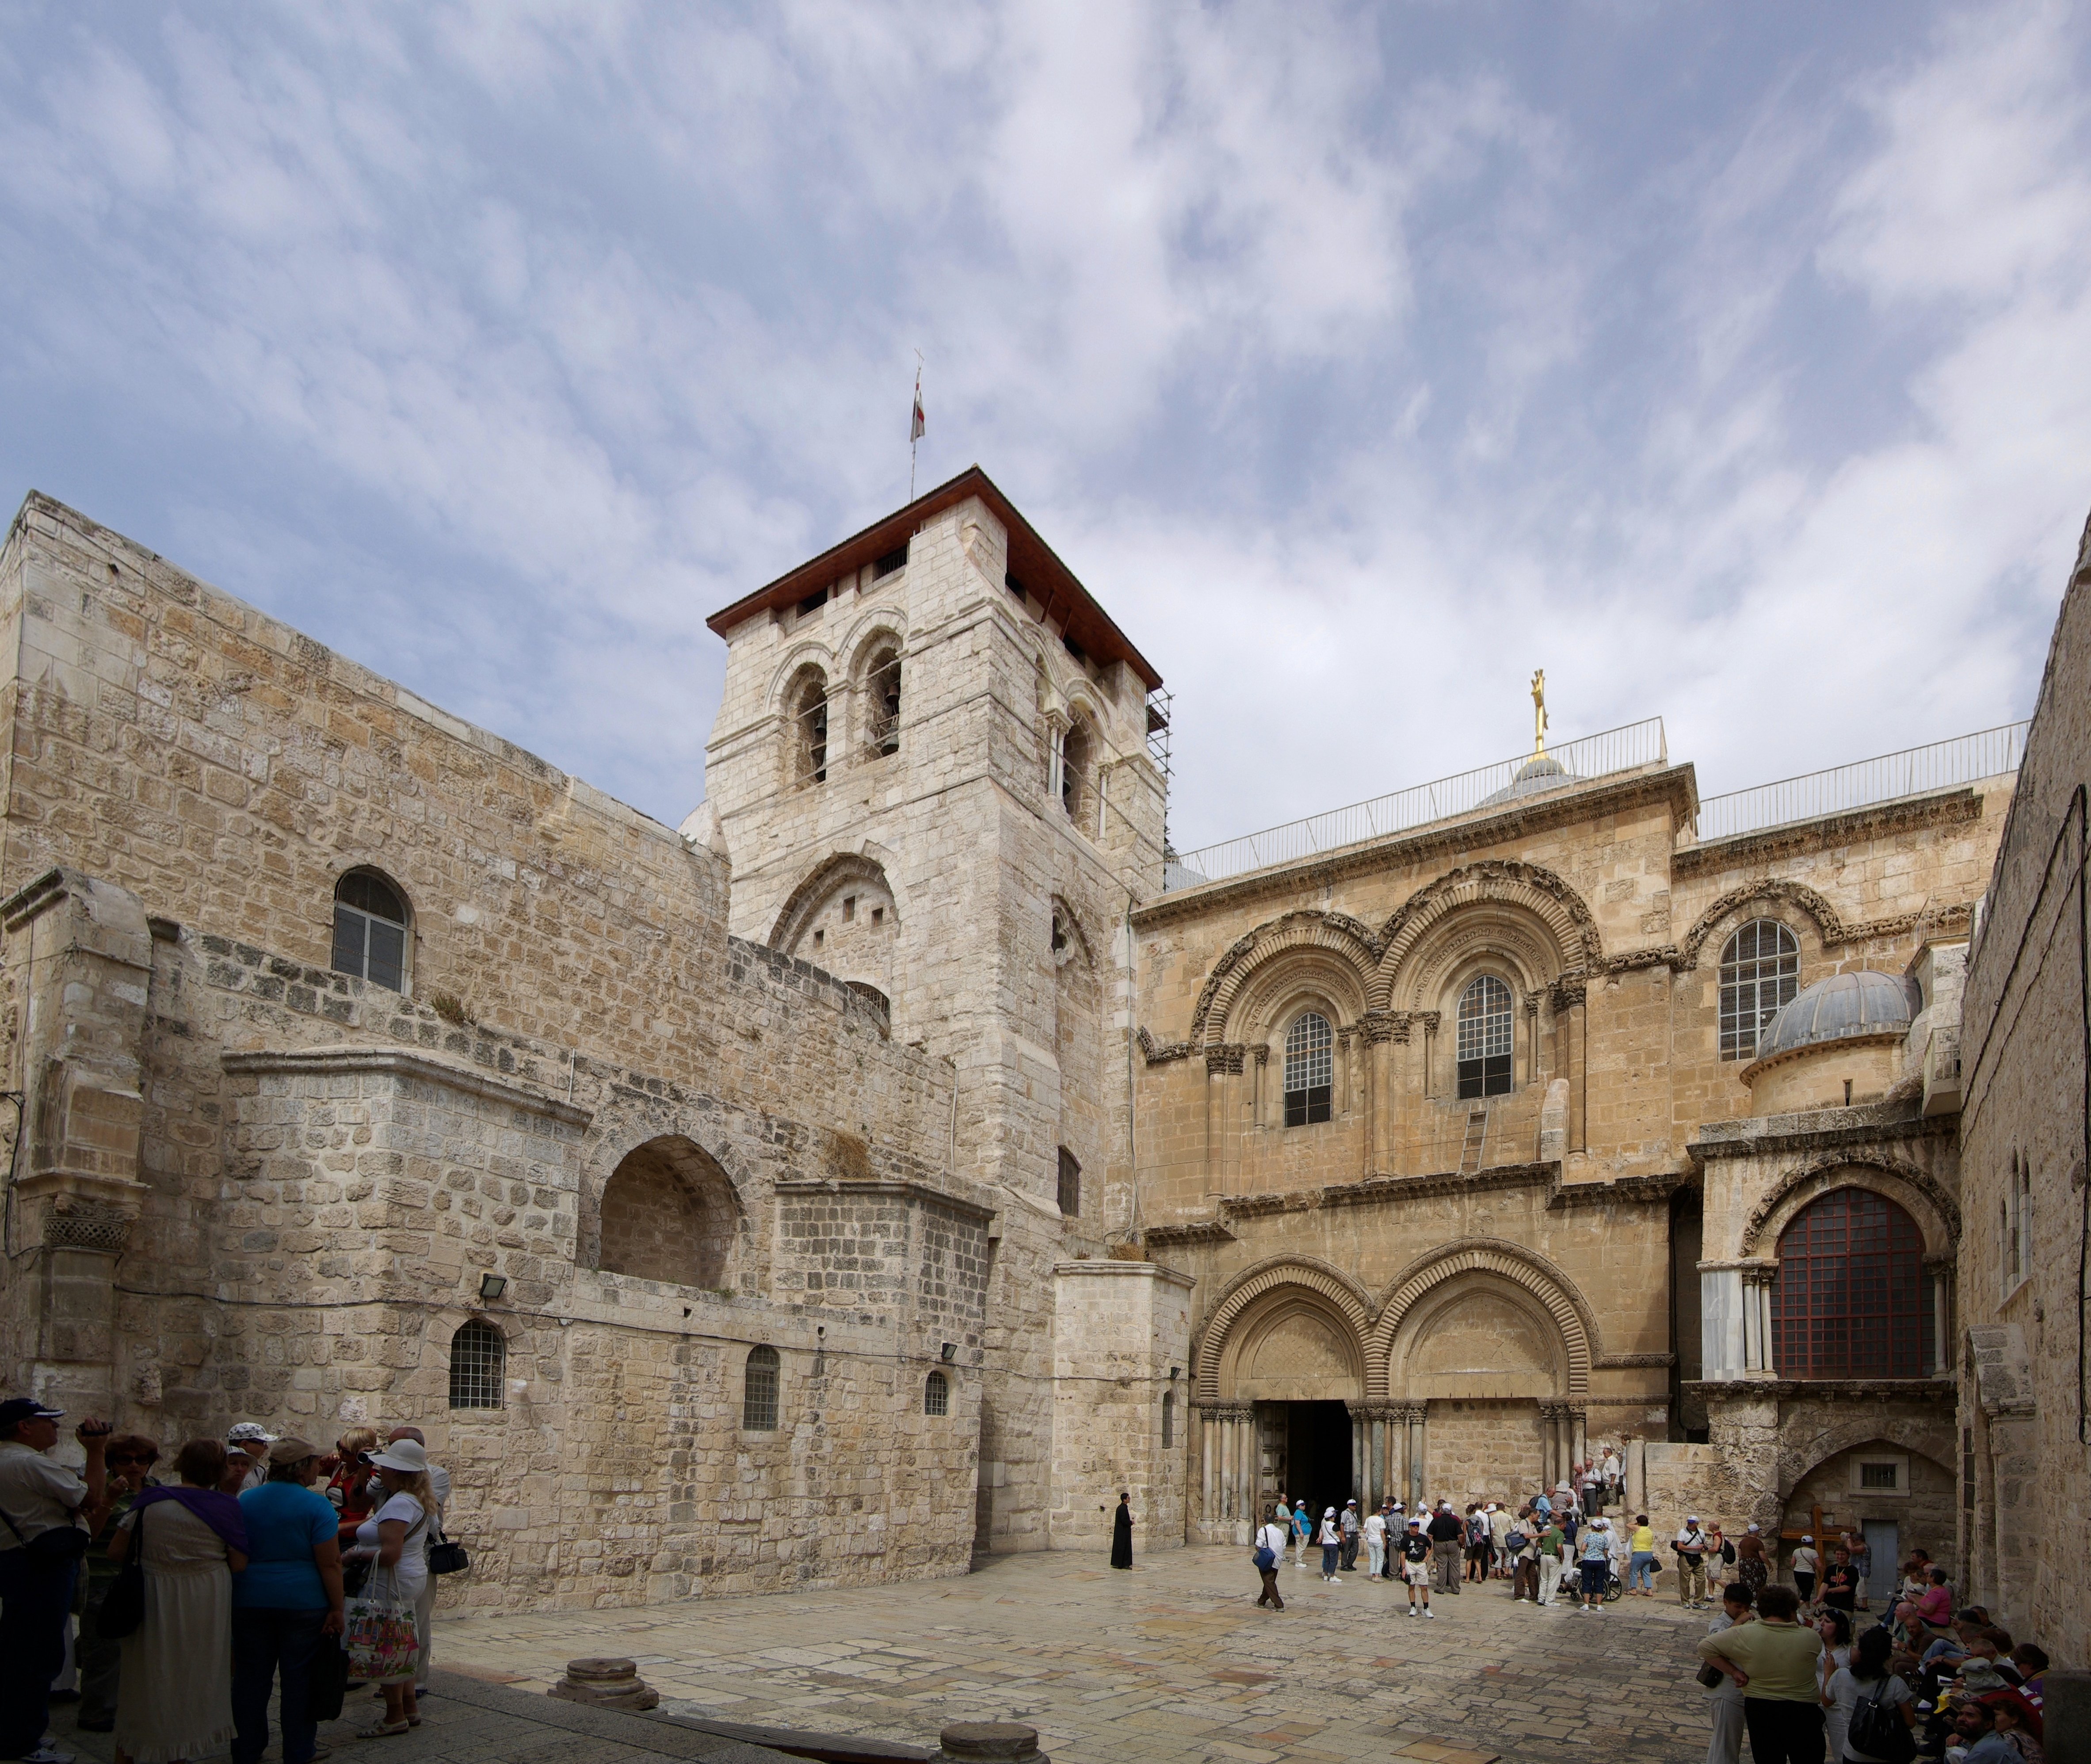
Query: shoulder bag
[122,1607]
[1878,1729]
[446,1556]
[51,1548]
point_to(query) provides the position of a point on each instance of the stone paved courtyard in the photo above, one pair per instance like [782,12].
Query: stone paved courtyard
[1170,1662]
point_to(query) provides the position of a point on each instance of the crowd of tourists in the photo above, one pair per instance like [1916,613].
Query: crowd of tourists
[1815,1671]
[170,1602]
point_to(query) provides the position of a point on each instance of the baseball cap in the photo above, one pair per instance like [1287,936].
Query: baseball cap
[21,1408]
[290,1449]
[243,1430]
[1807,1536]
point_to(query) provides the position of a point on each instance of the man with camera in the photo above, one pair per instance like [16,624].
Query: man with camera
[50,1517]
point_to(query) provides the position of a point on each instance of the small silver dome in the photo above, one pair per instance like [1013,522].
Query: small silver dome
[1542,771]
[1865,1002]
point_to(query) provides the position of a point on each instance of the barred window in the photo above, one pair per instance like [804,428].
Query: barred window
[1309,1070]
[883,690]
[1483,1047]
[758,1392]
[1168,1419]
[935,1394]
[1850,1300]
[1760,972]
[370,929]
[807,728]
[1070,1185]
[479,1359]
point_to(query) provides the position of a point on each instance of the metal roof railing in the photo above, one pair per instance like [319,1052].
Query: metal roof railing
[1624,749]
[1913,772]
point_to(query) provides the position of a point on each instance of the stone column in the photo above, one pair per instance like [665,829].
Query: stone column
[1941,1269]
[1357,1455]
[1205,1476]
[1223,1421]
[1758,1355]
[1550,1443]
[1416,1413]
[1580,1432]
[1376,1489]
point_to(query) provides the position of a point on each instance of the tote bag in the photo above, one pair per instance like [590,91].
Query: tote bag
[378,1635]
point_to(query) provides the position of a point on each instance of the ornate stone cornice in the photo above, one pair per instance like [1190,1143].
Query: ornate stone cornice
[1945,809]
[1847,1132]
[1941,1390]
[1155,1054]
[1196,1231]
[1225,1057]
[1672,785]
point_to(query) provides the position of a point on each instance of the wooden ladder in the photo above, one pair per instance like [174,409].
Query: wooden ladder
[1477,1131]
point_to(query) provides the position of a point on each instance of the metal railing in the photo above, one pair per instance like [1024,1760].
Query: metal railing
[1913,772]
[1593,756]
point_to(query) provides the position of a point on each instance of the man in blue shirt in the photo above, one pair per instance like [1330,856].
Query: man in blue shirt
[285,1602]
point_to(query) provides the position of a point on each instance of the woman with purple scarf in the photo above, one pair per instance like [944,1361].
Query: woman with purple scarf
[174,1699]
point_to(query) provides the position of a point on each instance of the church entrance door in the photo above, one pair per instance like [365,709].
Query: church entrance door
[1317,1456]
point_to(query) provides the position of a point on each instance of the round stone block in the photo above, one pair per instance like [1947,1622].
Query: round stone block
[990,1742]
[601,1670]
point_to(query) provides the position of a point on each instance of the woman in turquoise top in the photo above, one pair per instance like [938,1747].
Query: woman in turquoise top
[284,1604]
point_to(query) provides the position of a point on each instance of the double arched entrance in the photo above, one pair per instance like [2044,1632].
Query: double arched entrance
[1464,1377]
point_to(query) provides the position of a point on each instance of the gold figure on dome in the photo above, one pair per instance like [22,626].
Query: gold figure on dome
[1538,712]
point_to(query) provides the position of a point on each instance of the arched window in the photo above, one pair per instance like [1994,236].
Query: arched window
[935,1394]
[479,1359]
[1168,1419]
[1850,1300]
[758,1392]
[882,690]
[807,715]
[370,929]
[1760,972]
[1309,1069]
[1071,1184]
[1483,1037]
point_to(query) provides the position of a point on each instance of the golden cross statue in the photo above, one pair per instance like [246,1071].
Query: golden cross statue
[1538,712]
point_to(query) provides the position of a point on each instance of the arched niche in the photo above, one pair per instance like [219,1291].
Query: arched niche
[1479,1336]
[1916,1191]
[1341,1299]
[845,920]
[1292,1345]
[1531,915]
[667,1212]
[1510,1270]
[1332,938]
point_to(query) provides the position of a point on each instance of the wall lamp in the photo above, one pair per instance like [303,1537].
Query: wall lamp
[950,1352]
[492,1285]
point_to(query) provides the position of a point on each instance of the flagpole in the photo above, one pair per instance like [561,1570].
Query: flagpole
[914,426]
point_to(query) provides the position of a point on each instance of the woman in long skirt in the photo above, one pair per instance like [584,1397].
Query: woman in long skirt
[174,1700]
[1121,1533]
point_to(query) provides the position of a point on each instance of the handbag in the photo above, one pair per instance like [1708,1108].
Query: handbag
[378,1636]
[55,1548]
[1878,1729]
[1264,1558]
[326,1687]
[446,1556]
[122,1607]
[1712,1676]
[354,1576]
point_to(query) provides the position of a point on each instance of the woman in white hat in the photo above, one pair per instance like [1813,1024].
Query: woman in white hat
[394,1538]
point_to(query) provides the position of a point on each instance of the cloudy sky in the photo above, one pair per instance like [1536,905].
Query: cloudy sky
[1732,362]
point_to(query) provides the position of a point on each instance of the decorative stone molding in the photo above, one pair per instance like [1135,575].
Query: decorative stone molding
[1945,809]
[1820,1175]
[1862,1128]
[1605,1362]
[1161,1053]
[70,1223]
[1381,1026]
[1506,1261]
[806,900]
[1332,1285]
[1308,928]
[1502,882]
[1224,1057]
[1566,992]
[1196,1231]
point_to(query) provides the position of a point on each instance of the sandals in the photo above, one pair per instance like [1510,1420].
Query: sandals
[381,1730]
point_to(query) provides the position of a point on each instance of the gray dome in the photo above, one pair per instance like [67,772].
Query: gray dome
[1865,1002]
[1542,771]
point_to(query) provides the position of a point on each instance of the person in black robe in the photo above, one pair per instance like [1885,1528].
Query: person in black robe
[1121,1533]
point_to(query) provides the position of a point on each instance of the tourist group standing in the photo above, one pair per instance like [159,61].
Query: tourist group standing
[209,1591]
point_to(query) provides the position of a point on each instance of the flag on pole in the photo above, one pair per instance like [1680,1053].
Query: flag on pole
[915,428]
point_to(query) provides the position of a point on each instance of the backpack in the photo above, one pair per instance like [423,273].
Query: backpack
[1516,1540]
[1876,1729]
[1264,1558]
[1728,1556]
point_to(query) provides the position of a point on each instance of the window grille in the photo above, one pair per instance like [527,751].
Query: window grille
[370,930]
[1760,972]
[1878,1476]
[892,563]
[1850,1300]
[935,1394]
[479,1359]
[1168,1419]
[1309,1070]
[1070,1185]
[1483,1037]
[758,1392]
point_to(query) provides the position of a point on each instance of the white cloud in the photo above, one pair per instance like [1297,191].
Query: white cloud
[1357,372]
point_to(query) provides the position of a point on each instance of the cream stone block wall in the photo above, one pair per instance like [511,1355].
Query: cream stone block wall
[1121,1340]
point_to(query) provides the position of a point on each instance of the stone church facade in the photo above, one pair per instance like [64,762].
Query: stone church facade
[911,1152]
